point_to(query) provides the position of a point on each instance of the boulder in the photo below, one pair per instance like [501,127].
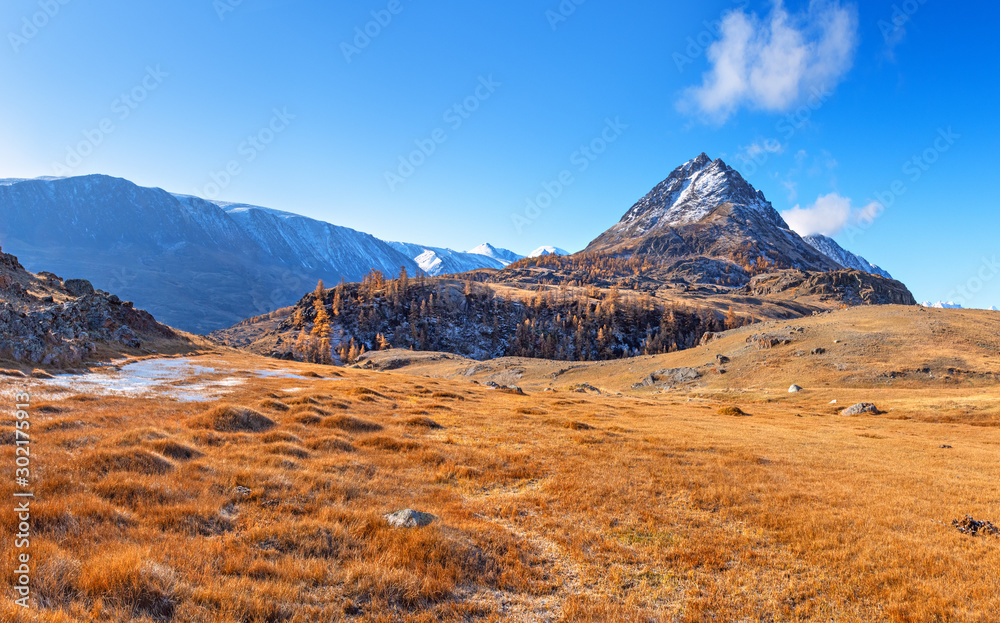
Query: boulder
[408,518]
[78,287]
[794,389]
[861,407]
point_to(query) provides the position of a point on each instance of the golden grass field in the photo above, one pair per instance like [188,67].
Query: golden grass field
[267,504]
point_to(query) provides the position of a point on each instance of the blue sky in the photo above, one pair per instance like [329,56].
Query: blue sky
[824,107]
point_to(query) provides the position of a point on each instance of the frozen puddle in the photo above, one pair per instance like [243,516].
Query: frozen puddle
[171,378]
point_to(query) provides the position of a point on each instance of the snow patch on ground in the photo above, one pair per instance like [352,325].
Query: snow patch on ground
[160,377]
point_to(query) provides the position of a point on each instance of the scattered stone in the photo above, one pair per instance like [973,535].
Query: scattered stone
[794,389]
[974,528]
[819,351]
[861,407]
[708,338]
[945,447]
[408,518]
[836,341]
[834,401]
[244,491]
[722,359]
[584,388]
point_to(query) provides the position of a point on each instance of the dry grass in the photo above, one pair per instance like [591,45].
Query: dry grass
[645,507]
[227,418]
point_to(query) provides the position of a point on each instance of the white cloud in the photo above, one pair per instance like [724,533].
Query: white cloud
[829,215]
[772,64]
[760,148]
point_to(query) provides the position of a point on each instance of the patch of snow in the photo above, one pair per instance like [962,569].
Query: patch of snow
[548,250]
[942,305]
[160,377]
[829,247]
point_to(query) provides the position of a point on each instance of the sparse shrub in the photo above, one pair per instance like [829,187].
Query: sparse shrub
[731,410]
[578,426]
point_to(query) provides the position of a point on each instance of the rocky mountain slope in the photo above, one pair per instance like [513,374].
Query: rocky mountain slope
[829,247]
[200,265]
[49,321]
[706,209]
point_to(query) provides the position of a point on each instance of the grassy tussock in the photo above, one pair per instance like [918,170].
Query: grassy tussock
[226,418]
[351,424]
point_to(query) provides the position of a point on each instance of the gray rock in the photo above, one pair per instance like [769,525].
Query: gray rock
[861,407]
[408,518]
[78,287]
[794,389]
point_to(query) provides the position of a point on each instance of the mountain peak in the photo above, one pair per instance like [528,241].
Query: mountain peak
[691,192]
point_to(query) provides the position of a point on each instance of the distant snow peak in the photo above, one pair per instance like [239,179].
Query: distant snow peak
[943,305]
[829,247]
[548,250]
[504,256]
[993,308]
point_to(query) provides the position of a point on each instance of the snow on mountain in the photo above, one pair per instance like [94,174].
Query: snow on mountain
[503,256]
[548,250]
[691,192]
[440,261]
[993,308]
[942,305]
[829,247]
[196,265]
[705,213]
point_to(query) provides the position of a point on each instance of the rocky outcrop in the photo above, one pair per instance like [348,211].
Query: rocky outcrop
[851,287]
[45,321]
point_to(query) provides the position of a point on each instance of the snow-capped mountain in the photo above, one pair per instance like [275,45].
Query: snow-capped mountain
[503,256]
[548,250]
[993,308]
[829,247]
[436,261]
[706,215]
[942,305]
[196,265]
